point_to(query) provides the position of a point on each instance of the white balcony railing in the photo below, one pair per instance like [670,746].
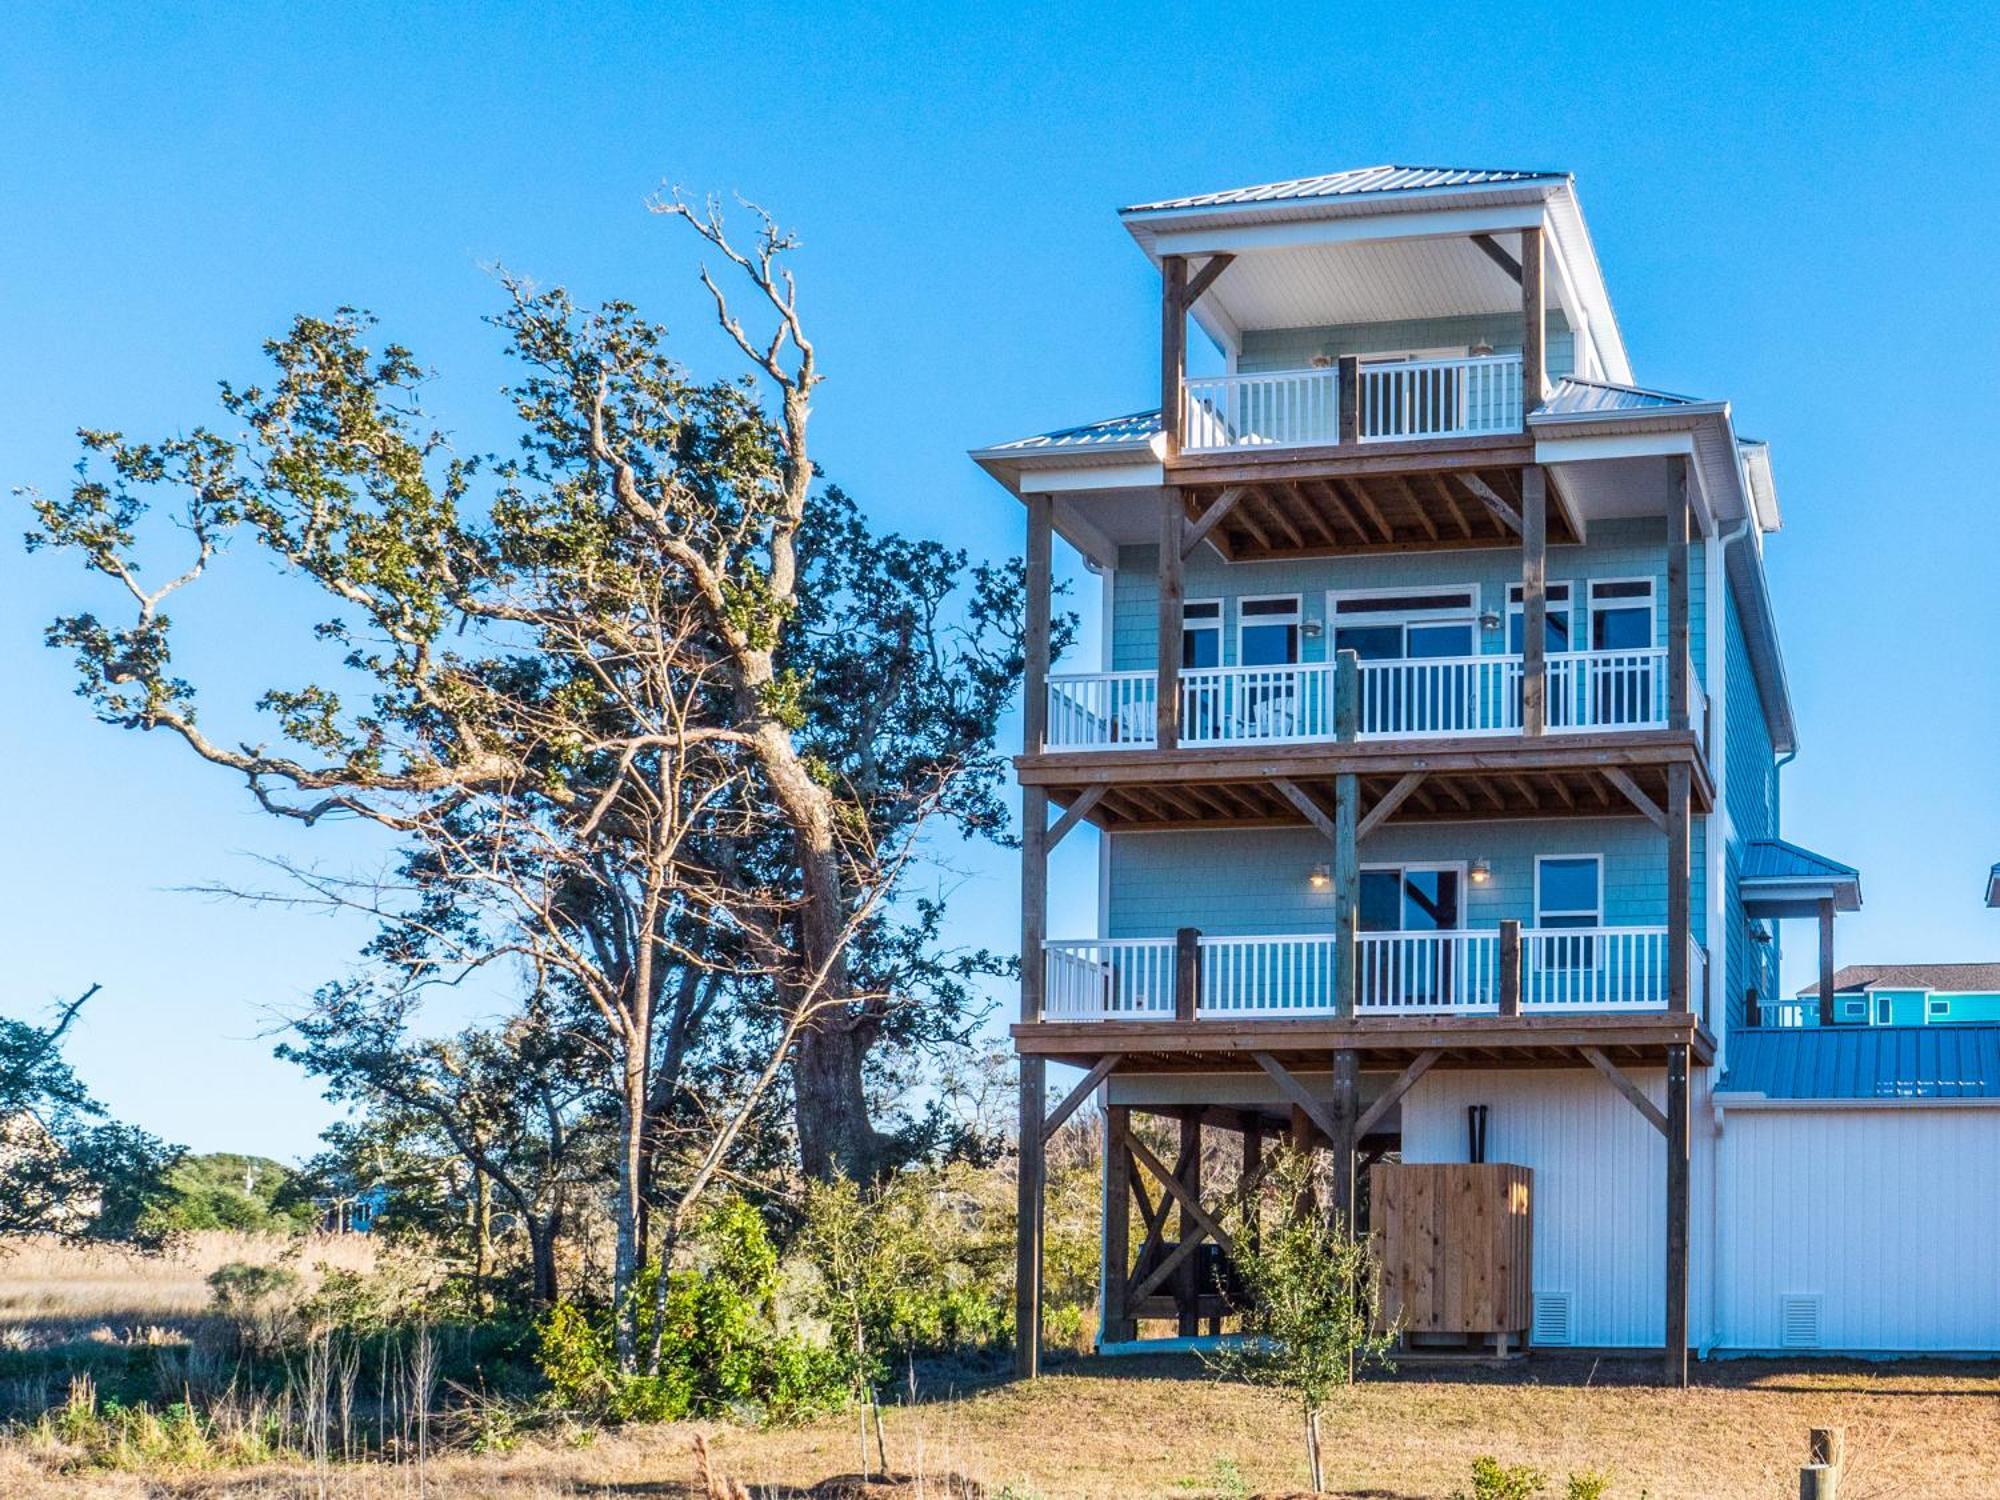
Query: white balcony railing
[1396,973]
[1435,398]
[1425,698]
[1283,409]
[1097,979]
[1395,400]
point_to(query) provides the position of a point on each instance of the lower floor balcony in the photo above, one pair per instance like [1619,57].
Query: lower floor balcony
[1473,972]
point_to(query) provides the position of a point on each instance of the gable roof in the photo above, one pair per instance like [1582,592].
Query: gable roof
[1865,1062]
[1777,859]
[1574,397]
[1353,181]
[1958,978]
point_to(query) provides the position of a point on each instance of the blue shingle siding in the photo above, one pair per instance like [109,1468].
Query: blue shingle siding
[1294,348]
[1752,799]
[1617,549]
[1255,882]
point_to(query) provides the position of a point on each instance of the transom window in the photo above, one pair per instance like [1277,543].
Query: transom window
[1621,614]
[1201,633]
[1267,631]
[1569,890]
[1556,634]
[1399,625]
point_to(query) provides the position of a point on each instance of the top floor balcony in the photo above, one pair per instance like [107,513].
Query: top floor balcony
[1352,401]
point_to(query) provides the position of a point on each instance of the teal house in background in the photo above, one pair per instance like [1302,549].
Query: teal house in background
[1913,994]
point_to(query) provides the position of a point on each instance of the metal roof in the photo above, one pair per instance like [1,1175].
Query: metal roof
[1775,859]
[1134,430]
[1354,181]
[1954,978]
[1573,397]
[1865,1062]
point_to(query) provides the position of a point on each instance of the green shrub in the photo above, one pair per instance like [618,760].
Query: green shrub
[1493,1480]
[260,1303]
[1591,1484]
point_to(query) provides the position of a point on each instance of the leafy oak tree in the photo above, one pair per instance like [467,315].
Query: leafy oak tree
[655,714]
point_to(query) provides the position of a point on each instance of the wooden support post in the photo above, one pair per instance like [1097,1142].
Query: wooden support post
[1173,349]
[1346,824]
[1534,323]
[1680,859]
[1676,1371]
[1346,1110]
[1819,1482]
[1028,1222]
[1034,932]
[1248,1174]
[1187,973]
[1167,707]
[1187,1286]
[1828,1445]
[1826,962]
[1510,967]
[1347,388]
[1118,1324]
[1534,599]
[1679,665]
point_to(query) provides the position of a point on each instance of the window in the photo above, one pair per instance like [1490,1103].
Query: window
[1201,633]
[1267,631]
[1621,614]
[1401,625]
[1411,898]
[1556,627]
[1569,890]
[1854,1010]
[1936,1009]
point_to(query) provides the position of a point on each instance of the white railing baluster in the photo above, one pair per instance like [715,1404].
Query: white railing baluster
[1414,399]
[1094,979]
[1283,408]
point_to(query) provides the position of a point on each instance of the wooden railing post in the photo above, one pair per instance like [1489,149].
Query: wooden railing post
[1346,826]
[1173,349]
[1534,599]
[1510,967]
[1187,973]
[1680,666]
[1534,323]
[1167,699]
[1347,390]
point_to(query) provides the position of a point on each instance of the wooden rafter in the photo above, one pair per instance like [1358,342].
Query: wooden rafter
[1310,810]
[1390,801]
[1492,499]
[1339,505]
[1203,279]
[1358,491]
[1450,503]
[1074,814]
[1635,1095]
[1274,512]
[1416,506]
[1298,1093]
[1624,782]
[1496,253]
[1075,1097]
[1218,509]
[1376,1112]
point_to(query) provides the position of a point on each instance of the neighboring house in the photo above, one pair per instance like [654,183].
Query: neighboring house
[1434,751]
[1912,994]
[1993,886]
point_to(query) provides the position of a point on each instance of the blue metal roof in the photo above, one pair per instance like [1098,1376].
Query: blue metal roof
[1573,397]
[1865,1062]
[1355,180]
[1775,859]
[1132,431]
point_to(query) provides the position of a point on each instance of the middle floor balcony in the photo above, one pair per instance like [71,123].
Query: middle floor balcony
[1588,692]
[1502,971]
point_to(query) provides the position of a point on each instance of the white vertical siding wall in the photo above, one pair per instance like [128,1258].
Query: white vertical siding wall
[1891,1215]
[1599,1205]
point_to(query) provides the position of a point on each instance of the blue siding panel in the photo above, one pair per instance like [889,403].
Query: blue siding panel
[1295,348]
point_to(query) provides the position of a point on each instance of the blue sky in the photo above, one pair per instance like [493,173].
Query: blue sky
[1794,204]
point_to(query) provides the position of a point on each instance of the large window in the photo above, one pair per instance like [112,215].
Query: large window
[1621,614]
[1556,633]
[1411,898]
[1569,891]
[1201,633]
[1267,631]
[1403,625]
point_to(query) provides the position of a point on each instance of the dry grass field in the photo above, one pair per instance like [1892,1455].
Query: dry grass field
[1100,1428]
[1164,1428]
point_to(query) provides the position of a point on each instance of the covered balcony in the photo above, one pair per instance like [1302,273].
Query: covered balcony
[1588,692]
[1352,401]
[1504,971]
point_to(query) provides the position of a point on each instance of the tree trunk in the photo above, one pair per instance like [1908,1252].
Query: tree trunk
[542,1234]
[830,1104]
[631,1189]
[1312,1451]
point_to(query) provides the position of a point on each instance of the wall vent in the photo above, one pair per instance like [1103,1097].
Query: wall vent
[1798,1320]
[1552,1318]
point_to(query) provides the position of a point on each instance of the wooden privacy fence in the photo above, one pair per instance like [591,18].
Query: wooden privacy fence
[1452,1247]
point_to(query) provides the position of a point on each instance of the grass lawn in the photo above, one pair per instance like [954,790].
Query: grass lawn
[1163,1427]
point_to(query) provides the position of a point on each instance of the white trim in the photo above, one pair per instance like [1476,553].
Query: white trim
[1468,616]
[1906,1101]
[1217,239]
[1297,621]
[1144,472]
[1216,625]
[1598,915]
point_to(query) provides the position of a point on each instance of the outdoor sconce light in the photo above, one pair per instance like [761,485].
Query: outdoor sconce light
[1481,349]
[1481,872]
[1320,878]
[1490,620]
[1312,630]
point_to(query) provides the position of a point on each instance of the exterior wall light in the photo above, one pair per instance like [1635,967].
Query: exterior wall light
[1320,878]
[1312,630]
[1490,620]
[1481,872]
